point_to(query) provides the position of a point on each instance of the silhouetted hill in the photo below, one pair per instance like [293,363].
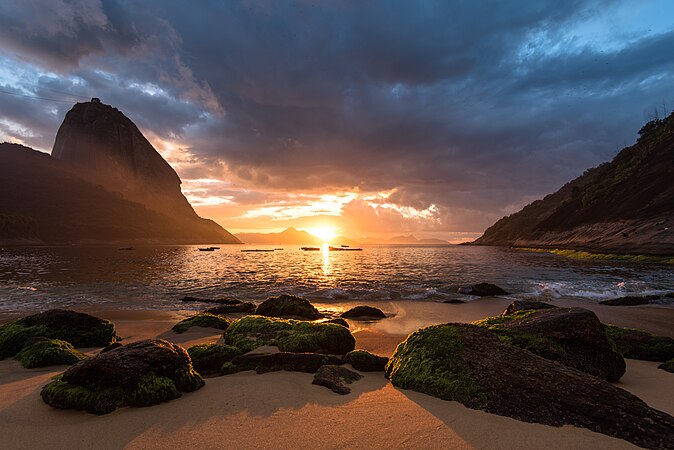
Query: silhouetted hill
[405,240]
[624,206]
[289,236]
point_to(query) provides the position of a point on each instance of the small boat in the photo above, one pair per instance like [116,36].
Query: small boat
[344,246]
[257,250]
[125,248]
[207,249]
[343,249]
[311,249]
[215,248]
[279,249]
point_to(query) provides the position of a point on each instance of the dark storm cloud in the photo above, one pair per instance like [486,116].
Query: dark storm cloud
[475,107]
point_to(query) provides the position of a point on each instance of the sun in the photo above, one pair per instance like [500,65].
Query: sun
[326,234]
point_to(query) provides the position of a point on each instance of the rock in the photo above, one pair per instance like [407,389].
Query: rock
[139,374]
[79,329]
[272,362]
[365,361]
[667,366]
[468,364]
[208,359]
[454,300]
[482,290]
[338,321]
[572,336]
[629,301]
[288,306]
[335,378]
[364,312]
[43,352]
[205,320]
[112,346]
[219,301]
[639,344]
[524,305]
[289,335]
[240,307]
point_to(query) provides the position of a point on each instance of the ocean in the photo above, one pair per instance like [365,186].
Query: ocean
[156,277]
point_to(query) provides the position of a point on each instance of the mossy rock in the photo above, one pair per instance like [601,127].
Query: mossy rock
[572,336]
[364,312]
[365,361]
[236,306]
[43,352]
[468,364]
[289,335]
[526,305]
[79,329]
[205,320]
[667,366]
[640,344]
[208,359]
[338,321]
[139,374]
[272,362]
[482,290]
[288,306]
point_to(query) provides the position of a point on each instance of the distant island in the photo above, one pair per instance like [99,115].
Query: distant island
[623,206]
[293,236]
[104,182]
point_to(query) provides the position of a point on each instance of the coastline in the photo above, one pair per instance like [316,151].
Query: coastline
[250,410]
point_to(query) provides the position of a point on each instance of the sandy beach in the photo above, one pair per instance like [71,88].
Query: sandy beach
[284,410]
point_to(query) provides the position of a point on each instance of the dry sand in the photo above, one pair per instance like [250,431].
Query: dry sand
[284,410]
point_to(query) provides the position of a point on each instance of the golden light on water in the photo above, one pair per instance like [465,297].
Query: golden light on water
[326,259]
[326,234]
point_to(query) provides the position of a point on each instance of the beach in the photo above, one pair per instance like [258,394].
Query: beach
[284,410]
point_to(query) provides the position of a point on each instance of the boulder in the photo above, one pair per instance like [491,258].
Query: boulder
[336,378]
[667,366]
[364,312]
[454,301]
[112,346]
[79,329]
[289,335]
[468,364]
[365,361]
[139,374]
[208,359]
[272,362]
[639,344]
[572,336]
[338,321]
[288,306]
[205,320]
[43,352]
[524,305]
[635,300]
[482,290]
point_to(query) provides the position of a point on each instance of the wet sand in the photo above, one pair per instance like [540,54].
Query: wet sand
[284,410]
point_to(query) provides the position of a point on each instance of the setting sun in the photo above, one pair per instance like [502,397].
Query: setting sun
[324,233]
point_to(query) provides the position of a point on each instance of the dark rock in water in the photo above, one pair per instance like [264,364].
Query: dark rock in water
[667,366]
[464,363]
[335,378]
[272,362]
[208,359]
[639,344]
[365,361]
[288,306]
[482,290]
[289,335]
[205,320]
[143,373]
[338,321]
[43,352]
[219,301]
[523,305]
[629,301]
[454,300]
[240,307]
[364,312]
[572,336]
[79,329]
[112,346]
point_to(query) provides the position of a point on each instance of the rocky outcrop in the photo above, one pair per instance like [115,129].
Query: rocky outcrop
[523,305]
[482,290]
[208,359]
[336,378]
[204,320]
[79,329]
[634,300]
[365,361]
[465,363]
[364,312]
[572,336]
[139,374]
[667,366]
[623,206]
[272,362]
[288,306]
[232,308]
[43,352]
[639,344]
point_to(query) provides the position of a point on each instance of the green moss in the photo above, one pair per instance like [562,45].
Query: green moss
[289,335]
[639,344]
[205,320]
[63,395]
[288,306]
[187,379]
[429,361]
[46,352]
[14,335]
[228,368]
[667,366]
[580,254]
[152,390]
[365,361]
[209,358]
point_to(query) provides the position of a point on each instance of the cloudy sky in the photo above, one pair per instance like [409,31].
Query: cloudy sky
[375,118]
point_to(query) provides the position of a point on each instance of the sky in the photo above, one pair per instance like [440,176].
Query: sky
[373,118]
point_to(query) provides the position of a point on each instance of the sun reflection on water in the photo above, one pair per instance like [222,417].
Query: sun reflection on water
[326,259]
